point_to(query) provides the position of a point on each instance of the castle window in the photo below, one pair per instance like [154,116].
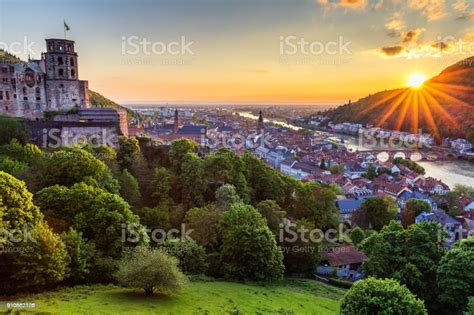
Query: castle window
[24,90]
[61,85]
[7,94]
[60,61]
[5,80]
[25,98]
[38,106]
[1,95]
[13,81]
[73,73]
[60,72]
[12,69]
[72,62]
[6,107]
[14,96]
[4,70]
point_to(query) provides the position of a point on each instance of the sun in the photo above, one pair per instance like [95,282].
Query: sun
[416,80]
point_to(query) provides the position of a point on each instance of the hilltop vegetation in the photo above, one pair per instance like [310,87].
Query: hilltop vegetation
[98,100]
[447,99]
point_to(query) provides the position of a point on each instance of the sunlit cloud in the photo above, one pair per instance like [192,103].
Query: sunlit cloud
[431,9]
[412,35]
[346,4]
[395,24]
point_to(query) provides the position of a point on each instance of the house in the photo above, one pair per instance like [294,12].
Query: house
[347,207]
[354,169]
[345,262]
[467,203]
[406,195]
[451,225]
[461,145]
[432,186]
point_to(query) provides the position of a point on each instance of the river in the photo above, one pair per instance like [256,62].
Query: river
[450,172]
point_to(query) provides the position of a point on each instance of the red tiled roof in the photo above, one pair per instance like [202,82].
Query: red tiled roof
[344,255]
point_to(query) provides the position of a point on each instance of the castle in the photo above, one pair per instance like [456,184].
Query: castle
[28,89]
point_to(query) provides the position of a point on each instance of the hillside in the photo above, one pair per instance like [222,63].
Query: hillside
[442,106]
[7,57]
[98,100]
[215,297]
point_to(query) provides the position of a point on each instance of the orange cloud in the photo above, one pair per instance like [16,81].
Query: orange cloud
[392,51]
[348,4]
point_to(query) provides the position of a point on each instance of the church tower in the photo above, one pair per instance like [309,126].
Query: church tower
[176,121]
[260,125]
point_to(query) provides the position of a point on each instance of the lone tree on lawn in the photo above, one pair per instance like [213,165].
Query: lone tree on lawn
[151,270]
[381,296]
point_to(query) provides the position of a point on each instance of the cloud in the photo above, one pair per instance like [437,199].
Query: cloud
[395,24]
[392,51]
[347,4]
[461,7]
[431,9]
[411,35]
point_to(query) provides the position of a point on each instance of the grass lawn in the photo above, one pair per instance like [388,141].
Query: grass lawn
[289,296]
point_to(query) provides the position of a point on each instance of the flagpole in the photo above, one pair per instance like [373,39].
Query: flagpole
[64,26]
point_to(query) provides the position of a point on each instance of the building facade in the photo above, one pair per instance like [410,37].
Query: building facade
[28,89]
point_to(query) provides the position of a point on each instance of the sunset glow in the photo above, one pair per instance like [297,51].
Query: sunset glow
[416,80]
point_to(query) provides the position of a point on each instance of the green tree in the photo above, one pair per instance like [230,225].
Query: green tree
[178,151]
[371,172]
[413,207]
[470,136]
[375,213]
[191,180]
[226,196]
[128,153]
[81,254]
[129,189]
[409,256]
[380,296]
[204,223]
[455,277]
[13,128]
[69,166]
[357,235]
[191,256]
[249,249]
[161,186]
[272,213]
[155,218]
[301,253]
[337,169]
[151,270]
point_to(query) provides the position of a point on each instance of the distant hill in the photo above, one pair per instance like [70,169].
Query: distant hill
[98,100]
[5,56]
[443,106]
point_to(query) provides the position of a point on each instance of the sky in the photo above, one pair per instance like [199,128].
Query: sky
[245,51]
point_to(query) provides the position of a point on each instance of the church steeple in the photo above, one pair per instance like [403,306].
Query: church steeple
[260,125]
[176,120]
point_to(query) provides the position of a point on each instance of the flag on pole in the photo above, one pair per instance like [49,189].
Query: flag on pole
[66,27]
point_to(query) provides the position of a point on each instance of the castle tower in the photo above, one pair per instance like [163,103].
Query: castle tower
[260,125]
[61,60]
[64,89]
[176,121]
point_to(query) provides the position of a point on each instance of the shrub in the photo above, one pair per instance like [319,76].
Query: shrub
[380,296]
[151,270]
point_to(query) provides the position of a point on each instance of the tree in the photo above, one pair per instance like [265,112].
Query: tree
[155,218]
[191,256]
[455,277]
[375,213]
[81,253]
[128,153]
[151,270]
[191,180]
[409,256]
[204,223]
[470,136]
[371,172]
[316,203]
[301,253]
[12,128]
[272,213]
[98,214]
[69,166]
[226,196]
[380,296]
[249,249]
[357,235]
[161,186]
[179,149]
[337,169]
[129,189]
[413,207]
